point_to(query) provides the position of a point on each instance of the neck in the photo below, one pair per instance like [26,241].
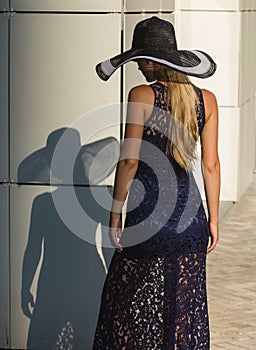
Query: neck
[163,82]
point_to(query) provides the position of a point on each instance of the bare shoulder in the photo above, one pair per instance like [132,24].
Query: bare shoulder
[210,103]
[142,94]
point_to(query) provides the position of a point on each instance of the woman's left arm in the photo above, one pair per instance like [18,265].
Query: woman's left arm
[129,158]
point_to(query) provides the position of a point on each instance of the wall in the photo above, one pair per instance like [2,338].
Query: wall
[225,30]
[47,82]
[247,96]
[53,106]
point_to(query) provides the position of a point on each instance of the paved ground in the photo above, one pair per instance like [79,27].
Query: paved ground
[232,277]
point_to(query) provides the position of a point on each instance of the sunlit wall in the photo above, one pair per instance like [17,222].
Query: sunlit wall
[226,29]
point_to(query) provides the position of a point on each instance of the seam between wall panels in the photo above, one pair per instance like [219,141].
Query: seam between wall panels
[9,335]
[239,62]
[9,98]
[121,127]
[205,10]
[9,331]
[121,71]
[148,12]
[66,12]
[11,9]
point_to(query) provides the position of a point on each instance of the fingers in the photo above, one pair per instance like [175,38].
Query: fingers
[115,234]
[26,311]
[28,304]
[212,246]
[214,237]
[32,303]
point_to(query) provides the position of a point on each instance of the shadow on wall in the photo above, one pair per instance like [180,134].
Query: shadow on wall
[64,311]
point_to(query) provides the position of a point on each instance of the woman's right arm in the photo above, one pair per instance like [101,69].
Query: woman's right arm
[211,164]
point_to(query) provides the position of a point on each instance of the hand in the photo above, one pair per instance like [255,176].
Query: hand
[115,231]
[214,231]
[27,300]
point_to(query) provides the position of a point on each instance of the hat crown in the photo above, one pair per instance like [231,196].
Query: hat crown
[154,33]
[154,39]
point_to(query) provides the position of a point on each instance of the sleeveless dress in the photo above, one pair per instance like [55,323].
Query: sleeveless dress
[154,296]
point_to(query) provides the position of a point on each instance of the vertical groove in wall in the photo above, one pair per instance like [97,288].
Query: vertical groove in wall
[8,173]
[9,97]
[8,331]
[122,84]
[121,91]
[239,97]
[122,73]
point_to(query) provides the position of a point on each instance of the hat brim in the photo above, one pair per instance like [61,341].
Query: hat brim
[94,162]
[97,160]
[191,62]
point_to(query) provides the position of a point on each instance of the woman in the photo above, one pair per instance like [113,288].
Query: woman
[154,295]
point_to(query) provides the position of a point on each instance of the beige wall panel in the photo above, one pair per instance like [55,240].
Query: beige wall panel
[20,211]
[4,5]
[253,41]
[53,79]
[228,152]
[247,146]
[66,5]
[254,102]
[149,5]
[3,98]
[247,5]
[132,76]
[247,87]
[4,268]
[247,56]
[220,5]
[252,47]
[61,271]
[196,30]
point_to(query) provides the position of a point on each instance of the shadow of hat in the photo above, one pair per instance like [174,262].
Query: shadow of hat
[91,163]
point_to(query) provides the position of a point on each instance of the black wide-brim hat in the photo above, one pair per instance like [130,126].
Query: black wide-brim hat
[154,39]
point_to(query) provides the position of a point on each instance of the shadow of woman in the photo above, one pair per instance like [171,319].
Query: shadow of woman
[64,311]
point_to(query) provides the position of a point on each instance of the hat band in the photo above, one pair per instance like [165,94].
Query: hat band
[107,68]
[203,67]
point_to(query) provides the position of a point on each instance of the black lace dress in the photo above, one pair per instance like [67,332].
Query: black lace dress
[154,295]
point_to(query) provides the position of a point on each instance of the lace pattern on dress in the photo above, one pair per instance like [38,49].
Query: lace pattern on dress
[156,304]
[154,296]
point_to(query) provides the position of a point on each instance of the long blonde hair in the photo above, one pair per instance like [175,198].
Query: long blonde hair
[183,128]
